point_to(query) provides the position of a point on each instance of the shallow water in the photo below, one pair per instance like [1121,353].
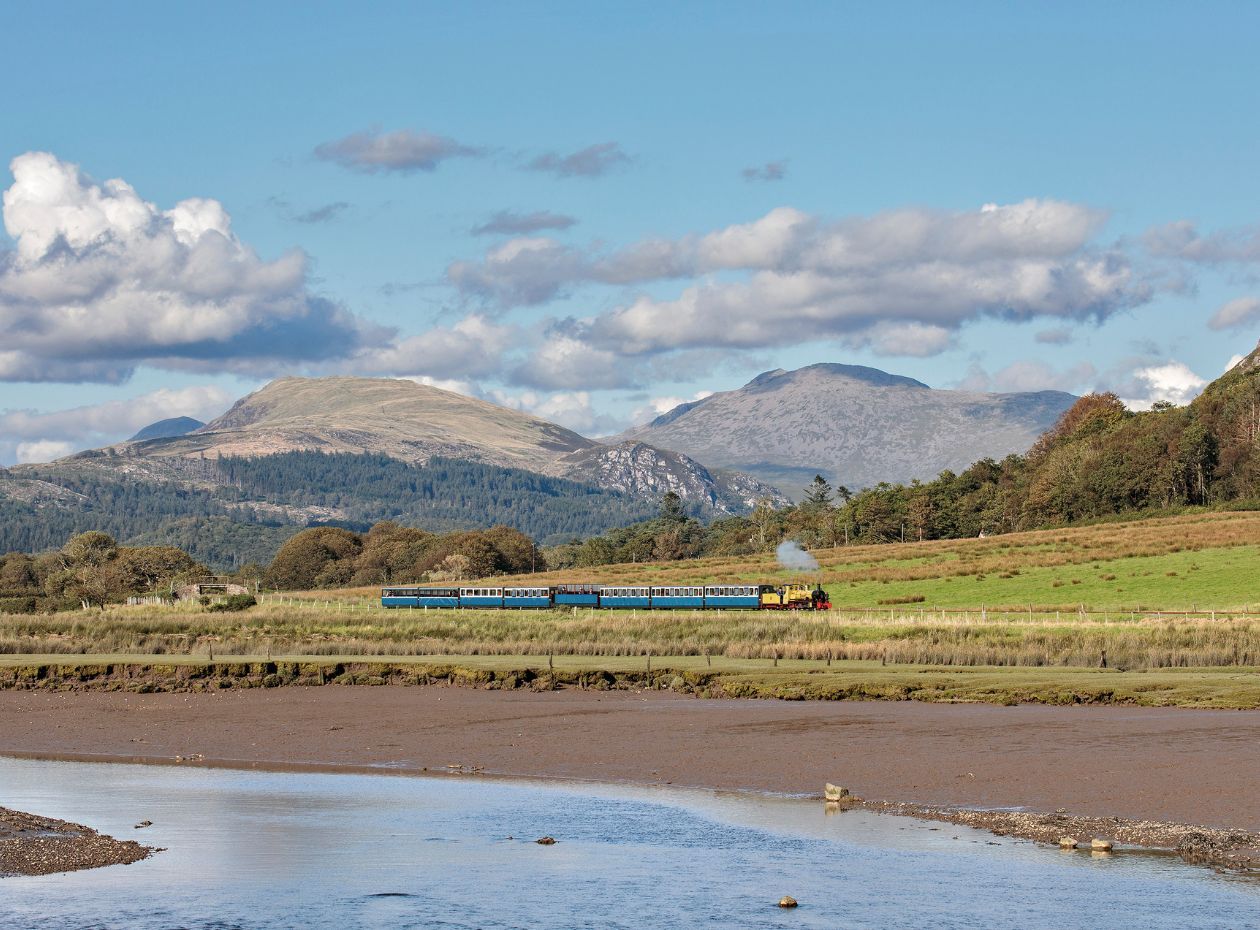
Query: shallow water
[248,849]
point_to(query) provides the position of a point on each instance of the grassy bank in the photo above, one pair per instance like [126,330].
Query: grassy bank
[706,678]
[902,635]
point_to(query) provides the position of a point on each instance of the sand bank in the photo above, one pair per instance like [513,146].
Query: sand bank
[1137,764]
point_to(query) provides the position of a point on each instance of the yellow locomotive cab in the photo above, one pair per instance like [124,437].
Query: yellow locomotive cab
[789,597]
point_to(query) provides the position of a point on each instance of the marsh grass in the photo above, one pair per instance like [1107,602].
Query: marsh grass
[892,635]
[1165,593]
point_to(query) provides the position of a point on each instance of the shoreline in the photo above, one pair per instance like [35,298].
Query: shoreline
[34,845]
[1162,779]
[1225,850]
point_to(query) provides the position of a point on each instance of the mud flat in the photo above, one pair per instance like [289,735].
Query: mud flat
[1176,779]
[31,845]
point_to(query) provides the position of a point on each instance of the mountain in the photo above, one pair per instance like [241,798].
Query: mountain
[352,451]
[402,419]
[856,426]
[167,429]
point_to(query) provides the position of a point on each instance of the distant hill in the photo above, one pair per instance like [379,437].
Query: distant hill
[1100,460]
[167,429]
[856,426]
[351,451]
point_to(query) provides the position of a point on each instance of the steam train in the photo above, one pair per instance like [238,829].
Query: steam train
[614,597]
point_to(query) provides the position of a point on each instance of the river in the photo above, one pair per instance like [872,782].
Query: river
[263,850]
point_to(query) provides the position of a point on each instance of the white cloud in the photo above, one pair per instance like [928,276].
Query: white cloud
[43,450]
[1234,360]
[454,385]
[1182,240]
[102,281]
[1029,375]
[570,409]
[27,433]
[1237,313]
[1173,382]
[565,362]
[902,282]
[657,406]
[472,348]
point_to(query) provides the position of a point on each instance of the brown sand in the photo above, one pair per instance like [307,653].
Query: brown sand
[1187,766]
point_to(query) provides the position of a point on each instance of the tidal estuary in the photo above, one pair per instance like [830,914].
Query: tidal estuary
[263,850]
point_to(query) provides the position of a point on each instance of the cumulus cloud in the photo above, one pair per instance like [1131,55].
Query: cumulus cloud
[1172,382]
[902,282]
[505,222]
[523,271]
[657,406]
[1237,313]
[570,409]
[102,281]
[42,450]
[770,171]
[32,436]
[1029,375]
[471,348]
[1182,240]
[590,162]
[566,362]
[404,151]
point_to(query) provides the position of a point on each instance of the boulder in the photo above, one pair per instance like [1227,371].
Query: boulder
[1067,842]
[787,901]
[834,792]
[546,841]
[1100,845]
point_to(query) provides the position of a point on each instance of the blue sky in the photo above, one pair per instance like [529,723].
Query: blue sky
[988,196]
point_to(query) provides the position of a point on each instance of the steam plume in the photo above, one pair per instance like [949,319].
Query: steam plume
[791,555]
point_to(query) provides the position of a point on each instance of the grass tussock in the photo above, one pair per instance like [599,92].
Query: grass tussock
[1036,639]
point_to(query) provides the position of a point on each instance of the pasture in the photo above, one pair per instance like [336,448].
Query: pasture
[1018,617]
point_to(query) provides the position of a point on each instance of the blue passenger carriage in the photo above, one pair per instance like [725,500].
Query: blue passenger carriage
[576,595]
[617,596]
[480,597]
[678,598]
[420,597]
[526,597]
[732,597]
[398,597]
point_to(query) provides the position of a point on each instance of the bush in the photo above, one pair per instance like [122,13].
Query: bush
[233,602]
[17,605]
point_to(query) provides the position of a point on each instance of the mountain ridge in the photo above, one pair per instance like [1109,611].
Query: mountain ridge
[855,425]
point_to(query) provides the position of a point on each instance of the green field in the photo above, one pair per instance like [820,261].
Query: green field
[1170,606]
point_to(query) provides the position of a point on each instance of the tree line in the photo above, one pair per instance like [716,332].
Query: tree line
[1099,460]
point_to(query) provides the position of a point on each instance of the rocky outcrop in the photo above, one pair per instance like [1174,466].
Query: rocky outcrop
[641,470]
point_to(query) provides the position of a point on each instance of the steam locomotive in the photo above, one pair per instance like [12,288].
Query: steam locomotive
[614,597]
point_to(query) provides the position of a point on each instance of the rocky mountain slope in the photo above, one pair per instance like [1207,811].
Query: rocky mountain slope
[856,426]
[352,451]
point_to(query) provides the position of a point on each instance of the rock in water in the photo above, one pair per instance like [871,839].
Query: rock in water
[144,823]
[546,841]
[1100,845]
[1067,842]
[787,901]
[834,792]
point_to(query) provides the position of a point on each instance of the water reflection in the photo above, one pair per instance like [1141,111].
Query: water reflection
[268,850]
